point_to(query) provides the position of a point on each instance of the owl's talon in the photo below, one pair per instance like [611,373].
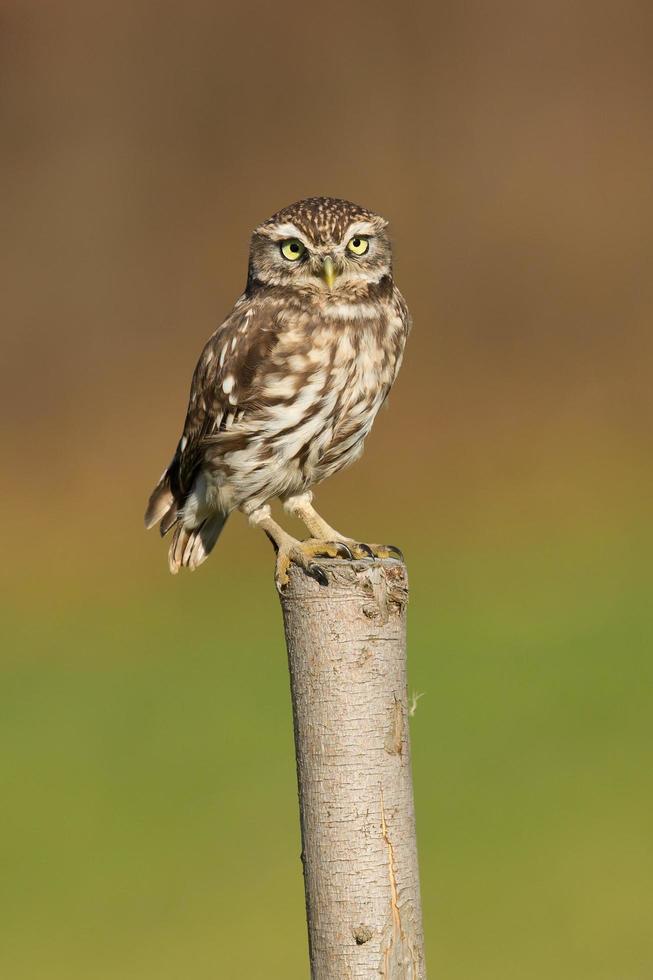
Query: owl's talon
[317,573]
[395,552]
[364,551]
[344,551]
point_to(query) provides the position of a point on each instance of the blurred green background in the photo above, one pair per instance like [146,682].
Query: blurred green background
[148,816]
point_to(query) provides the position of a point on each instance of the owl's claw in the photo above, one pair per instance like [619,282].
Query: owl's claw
[362,550]
[344,551]
[317,573]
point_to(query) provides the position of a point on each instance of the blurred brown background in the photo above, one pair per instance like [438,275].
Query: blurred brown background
[510,145]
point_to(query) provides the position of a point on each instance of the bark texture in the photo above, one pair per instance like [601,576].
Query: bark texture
[347,657]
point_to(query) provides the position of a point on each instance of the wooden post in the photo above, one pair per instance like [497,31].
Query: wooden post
[347,657]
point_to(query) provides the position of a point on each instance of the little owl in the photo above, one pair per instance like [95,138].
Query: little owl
[287,389]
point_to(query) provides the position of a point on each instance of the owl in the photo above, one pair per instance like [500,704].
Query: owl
[287,389]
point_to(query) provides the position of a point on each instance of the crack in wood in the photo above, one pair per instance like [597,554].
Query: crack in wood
[399,958]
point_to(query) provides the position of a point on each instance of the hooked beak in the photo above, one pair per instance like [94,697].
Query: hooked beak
[328,272]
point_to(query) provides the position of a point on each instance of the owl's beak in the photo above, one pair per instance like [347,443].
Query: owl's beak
[328,272]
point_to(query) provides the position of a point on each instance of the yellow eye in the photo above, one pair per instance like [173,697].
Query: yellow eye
[292,249]
[358,245]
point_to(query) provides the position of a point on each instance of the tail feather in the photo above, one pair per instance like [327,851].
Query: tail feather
[169,519]
[191,546]
[160,503]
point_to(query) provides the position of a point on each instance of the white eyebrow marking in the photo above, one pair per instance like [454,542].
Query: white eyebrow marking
[365,228]
[286,230]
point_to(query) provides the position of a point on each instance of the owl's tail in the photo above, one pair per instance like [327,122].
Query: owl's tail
[190,546]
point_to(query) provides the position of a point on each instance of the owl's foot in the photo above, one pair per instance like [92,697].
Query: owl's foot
[291,550]
[300,506]
[329,544]
[302,553]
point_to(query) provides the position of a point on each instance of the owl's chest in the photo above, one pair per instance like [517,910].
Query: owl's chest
[333,369]
[364,360]
[359,369]
[335,358]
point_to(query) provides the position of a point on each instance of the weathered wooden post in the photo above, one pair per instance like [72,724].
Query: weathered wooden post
[347,657]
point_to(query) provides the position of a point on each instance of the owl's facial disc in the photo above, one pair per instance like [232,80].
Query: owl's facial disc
[343,259]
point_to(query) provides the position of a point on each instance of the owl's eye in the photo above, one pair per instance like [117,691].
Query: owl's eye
[292,249]
[358,245]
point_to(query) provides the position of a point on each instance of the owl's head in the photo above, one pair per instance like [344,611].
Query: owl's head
[321,245]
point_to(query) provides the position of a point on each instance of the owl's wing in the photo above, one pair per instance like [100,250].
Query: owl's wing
[224,388]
